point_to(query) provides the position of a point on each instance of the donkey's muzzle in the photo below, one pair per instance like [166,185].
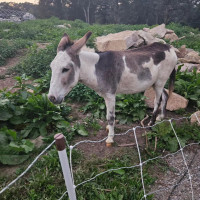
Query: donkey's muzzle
[55,100]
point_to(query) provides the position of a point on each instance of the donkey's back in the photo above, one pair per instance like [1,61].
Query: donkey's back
[135,70]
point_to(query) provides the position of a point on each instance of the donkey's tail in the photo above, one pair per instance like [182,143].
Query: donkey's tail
[172,81]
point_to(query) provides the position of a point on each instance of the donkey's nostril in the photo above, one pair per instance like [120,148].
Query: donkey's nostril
[52,99]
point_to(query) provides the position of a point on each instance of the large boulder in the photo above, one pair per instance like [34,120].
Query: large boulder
[118,41]
[148,38]
[14,18]
[28,16]
[182,51]
[191,57]
[175,102]
[189,67]
[195,118]
[159,31]
[171,37]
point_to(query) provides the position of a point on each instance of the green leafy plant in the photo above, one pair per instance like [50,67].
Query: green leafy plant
[187,85]
[13,149]
[186,132]
[87,126]
[129,108]
[8,49]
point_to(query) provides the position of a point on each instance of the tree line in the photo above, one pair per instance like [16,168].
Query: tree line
[149,12]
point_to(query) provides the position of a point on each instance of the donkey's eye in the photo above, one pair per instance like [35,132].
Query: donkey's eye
[65,70]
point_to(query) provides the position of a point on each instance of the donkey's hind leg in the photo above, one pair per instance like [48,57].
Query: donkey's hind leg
[163,106]
[157,101]
[110,105]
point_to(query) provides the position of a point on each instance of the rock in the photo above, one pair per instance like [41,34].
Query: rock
[69,25]
[148,38]
[146,29]
[171,37]
[183,51]
[118,41]
[28,16]
[189,67]
[169,31]
[194,117]
[6,30]
[61,26]
[14,18]
[30,90]
[38,142]
[191,57]
[159,31]
[175,102]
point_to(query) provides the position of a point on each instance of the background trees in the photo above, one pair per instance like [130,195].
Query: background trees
[119,11]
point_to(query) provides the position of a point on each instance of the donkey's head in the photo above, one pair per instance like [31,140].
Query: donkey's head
[65,67]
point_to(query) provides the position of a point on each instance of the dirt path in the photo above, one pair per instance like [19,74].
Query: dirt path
[176,174]
[7,80]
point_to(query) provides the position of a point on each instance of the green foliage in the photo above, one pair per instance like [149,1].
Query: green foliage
[13,149]
[181,30]
[37,62]
[46,180]
[87,126]
[187,85]
[167,139]
[129,108]
[27,115]
[9,49]
[123,183]
[81,93]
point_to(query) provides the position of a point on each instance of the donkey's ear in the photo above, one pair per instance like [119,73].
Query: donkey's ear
[64,43]
[81,42]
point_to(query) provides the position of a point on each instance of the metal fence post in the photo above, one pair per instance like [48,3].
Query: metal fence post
[61,147]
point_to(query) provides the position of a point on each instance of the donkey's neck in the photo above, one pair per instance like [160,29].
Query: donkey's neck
[88,61]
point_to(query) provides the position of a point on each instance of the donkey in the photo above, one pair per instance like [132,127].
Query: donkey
[112,72]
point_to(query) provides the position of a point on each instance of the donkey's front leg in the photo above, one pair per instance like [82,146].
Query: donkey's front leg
[110,105]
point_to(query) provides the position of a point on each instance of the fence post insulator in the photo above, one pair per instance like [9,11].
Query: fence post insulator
[60,141]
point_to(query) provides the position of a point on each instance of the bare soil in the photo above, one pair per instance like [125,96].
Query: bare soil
[7,80]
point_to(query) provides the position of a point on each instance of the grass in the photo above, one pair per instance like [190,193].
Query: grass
[45,181]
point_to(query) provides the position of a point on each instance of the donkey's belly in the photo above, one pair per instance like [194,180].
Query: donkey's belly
[131,84]
[134,88]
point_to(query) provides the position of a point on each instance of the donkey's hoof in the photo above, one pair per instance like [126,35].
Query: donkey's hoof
[109,140]
[159,118]
[109,144]
[107,129]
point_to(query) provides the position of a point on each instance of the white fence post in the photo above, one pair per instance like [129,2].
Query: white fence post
[61,147]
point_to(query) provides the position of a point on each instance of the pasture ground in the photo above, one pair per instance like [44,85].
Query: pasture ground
[45,180]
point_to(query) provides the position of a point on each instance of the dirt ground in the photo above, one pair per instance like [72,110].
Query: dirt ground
[170,175]
[7,80]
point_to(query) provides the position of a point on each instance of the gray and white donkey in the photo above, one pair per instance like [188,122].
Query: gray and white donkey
[112,72]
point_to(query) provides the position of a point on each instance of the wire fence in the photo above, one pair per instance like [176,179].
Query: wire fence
[139,165]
